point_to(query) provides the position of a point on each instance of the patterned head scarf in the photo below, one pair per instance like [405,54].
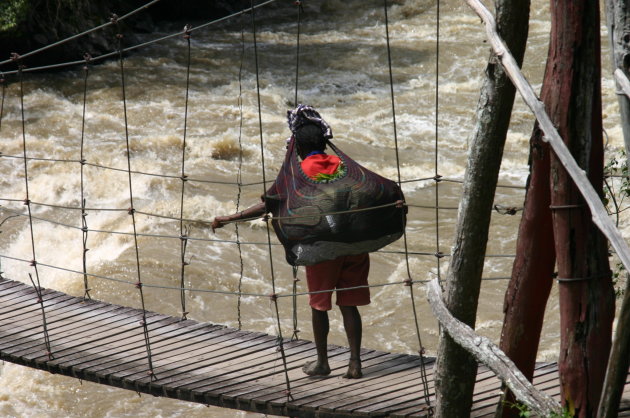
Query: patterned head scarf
[304,114]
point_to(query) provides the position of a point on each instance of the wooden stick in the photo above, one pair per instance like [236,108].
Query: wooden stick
[620,351]
[489,354]
[598,212]
[623,81]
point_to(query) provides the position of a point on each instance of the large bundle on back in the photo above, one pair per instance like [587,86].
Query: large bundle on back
[322,220]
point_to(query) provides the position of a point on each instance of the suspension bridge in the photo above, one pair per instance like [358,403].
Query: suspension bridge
[176,357]
[213,364]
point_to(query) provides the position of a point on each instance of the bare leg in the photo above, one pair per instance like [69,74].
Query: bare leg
[319,367]
[353,326]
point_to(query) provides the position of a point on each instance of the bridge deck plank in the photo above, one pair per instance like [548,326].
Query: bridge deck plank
[212,364]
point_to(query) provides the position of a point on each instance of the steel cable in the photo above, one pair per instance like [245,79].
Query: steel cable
[409,281]
[262,161]
[30,214]
[145,326]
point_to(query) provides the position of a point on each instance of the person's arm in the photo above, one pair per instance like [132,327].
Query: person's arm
[253,212]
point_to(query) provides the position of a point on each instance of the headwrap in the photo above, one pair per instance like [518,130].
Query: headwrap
[304,114]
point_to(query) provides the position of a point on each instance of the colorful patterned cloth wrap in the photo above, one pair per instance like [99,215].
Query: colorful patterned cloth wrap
[305,114]
[306,218]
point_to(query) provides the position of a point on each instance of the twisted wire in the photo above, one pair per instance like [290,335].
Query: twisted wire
[190,238]
[239,176]
[4,92]
[234,183]
[27,203]
[294,336]
[84,225]
[139,284]
[40,300]
[184,234]
[437,177]
[262,160]
[79,35]
[138,46]
[408,282]
[215,291]
[501,209]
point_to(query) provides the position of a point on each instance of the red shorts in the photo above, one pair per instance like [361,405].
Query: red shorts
[341,273]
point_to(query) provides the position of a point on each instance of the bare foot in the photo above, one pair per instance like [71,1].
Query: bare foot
[314,368]
[354,370]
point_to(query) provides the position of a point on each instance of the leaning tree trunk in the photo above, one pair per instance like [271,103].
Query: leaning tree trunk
[585,287]
[529,288]
[456,368]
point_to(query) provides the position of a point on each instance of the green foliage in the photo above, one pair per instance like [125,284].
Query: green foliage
[616,196]
[523,411]
[619,273]
[565,413]
[616,184]
[12,12]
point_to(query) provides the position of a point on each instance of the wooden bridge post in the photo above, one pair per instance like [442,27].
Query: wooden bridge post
[456,369]
[586,294]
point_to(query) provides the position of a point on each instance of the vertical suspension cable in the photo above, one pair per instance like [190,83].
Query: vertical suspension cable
[183,233]
[296,331]
[4,91]
[239,173]
[297,50]
[27,202]
[274,298]
[132,211]
[3,84]
[84,225]
[409,281]
[437,177]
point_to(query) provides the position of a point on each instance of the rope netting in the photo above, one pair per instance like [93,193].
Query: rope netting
[187,180]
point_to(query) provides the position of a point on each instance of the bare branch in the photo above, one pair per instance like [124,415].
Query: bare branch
[489,354]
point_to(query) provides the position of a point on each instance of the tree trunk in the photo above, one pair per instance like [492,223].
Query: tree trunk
[572,78]
[456,368]
[529,288]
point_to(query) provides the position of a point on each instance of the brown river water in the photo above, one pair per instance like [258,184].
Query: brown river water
[344,73]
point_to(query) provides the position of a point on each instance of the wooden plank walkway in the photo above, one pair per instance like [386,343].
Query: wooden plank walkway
[215,365]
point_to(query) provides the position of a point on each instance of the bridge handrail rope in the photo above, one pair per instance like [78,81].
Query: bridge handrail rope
[502,209]
[128,49]
[139,284]
[79,35]
[262,162]
[409,281]
[33,261]
[18,214]
[233,183]
[191,289]
[214,291]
